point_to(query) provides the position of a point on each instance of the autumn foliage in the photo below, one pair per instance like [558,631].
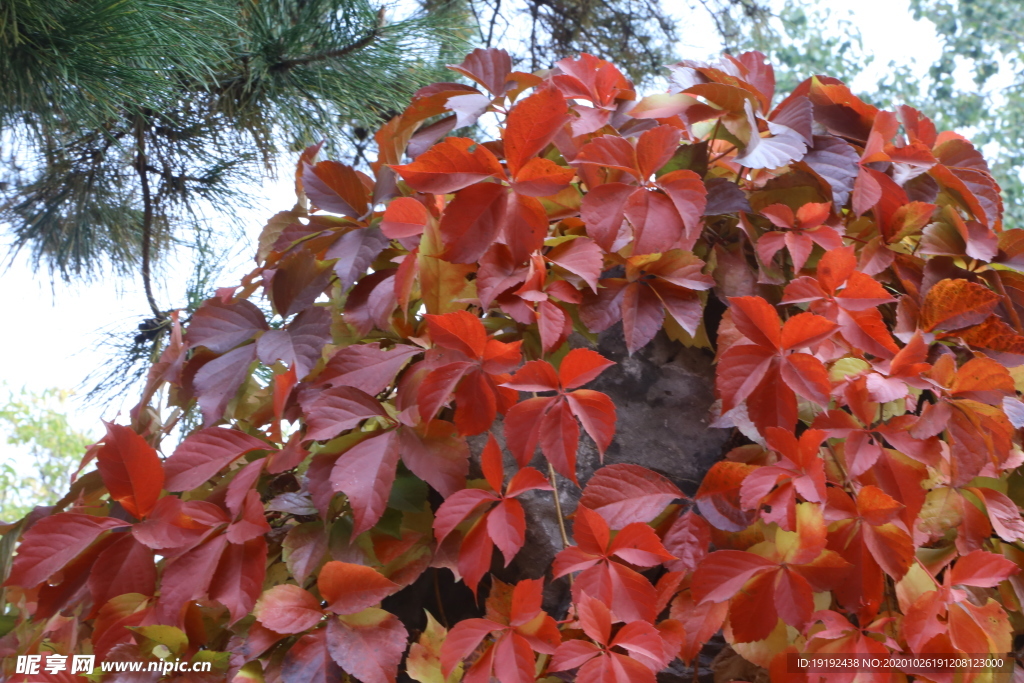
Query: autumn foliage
[409,363]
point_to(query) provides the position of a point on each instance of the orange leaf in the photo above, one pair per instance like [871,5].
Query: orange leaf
[450,165]
[531,125]
[955,304]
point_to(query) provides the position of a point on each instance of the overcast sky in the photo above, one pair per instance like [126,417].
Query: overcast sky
[50,333]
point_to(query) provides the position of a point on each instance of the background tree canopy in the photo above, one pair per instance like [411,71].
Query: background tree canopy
[124,120]
[122,117]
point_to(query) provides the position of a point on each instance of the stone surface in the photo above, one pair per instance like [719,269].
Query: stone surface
[663,395]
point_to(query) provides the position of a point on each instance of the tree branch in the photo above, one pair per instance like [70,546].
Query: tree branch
[147,215]
[370,36]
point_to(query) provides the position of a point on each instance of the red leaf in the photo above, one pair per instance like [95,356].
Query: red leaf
[1003,513]
[303,549]
[806,329]
[581,366]
[301,344]
[526,479]
[221,327]
[581,257]
[288,609]
[471,221]
[205,453]
[642,315]
[807,376]
[459,331]
[449,166]
[590,531]
[595,620]
[700,622]
[553,324]
[513,660]
[457,508]
[741,369]
[239,577]
[657,226]
[464,637]
[53,542]
[655,147]
[365,474]
[506,525]
[687,539]
[131,470]
[531,125]
[542,177]
[644,642]
[794,598]
[639,545]
[368,645]
[597,413]
[354,251]
[217,382]
[575,653]
[603,210]
[335,187]
[188,577]
[308,661]
[752,612]
[535,375]
[178,525]
[724,572]
[772,403]
[336,410]
[126,566]
[559,439]
[522,427]
[631,596]
[625,493]
[490,68]
[525,225]
[756,320]
[718,497]
[475,555]
[253,522]
[690,197]
[300,277]
[404,217]
[350,588]
[435,453]
[682,304]
[892,548]
[491,464]
[366,367]
[610,151]
[982,569]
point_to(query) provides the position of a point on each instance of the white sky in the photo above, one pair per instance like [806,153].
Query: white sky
[50,334]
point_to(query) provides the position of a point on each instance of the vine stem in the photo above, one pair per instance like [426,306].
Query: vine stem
[440,602]
[558,505]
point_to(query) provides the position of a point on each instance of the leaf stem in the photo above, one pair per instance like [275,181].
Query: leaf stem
[1010,310]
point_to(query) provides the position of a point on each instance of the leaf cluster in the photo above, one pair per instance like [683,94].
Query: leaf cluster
[867,361]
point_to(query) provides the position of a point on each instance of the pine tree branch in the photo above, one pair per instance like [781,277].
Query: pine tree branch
[147,216]
[371,35]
